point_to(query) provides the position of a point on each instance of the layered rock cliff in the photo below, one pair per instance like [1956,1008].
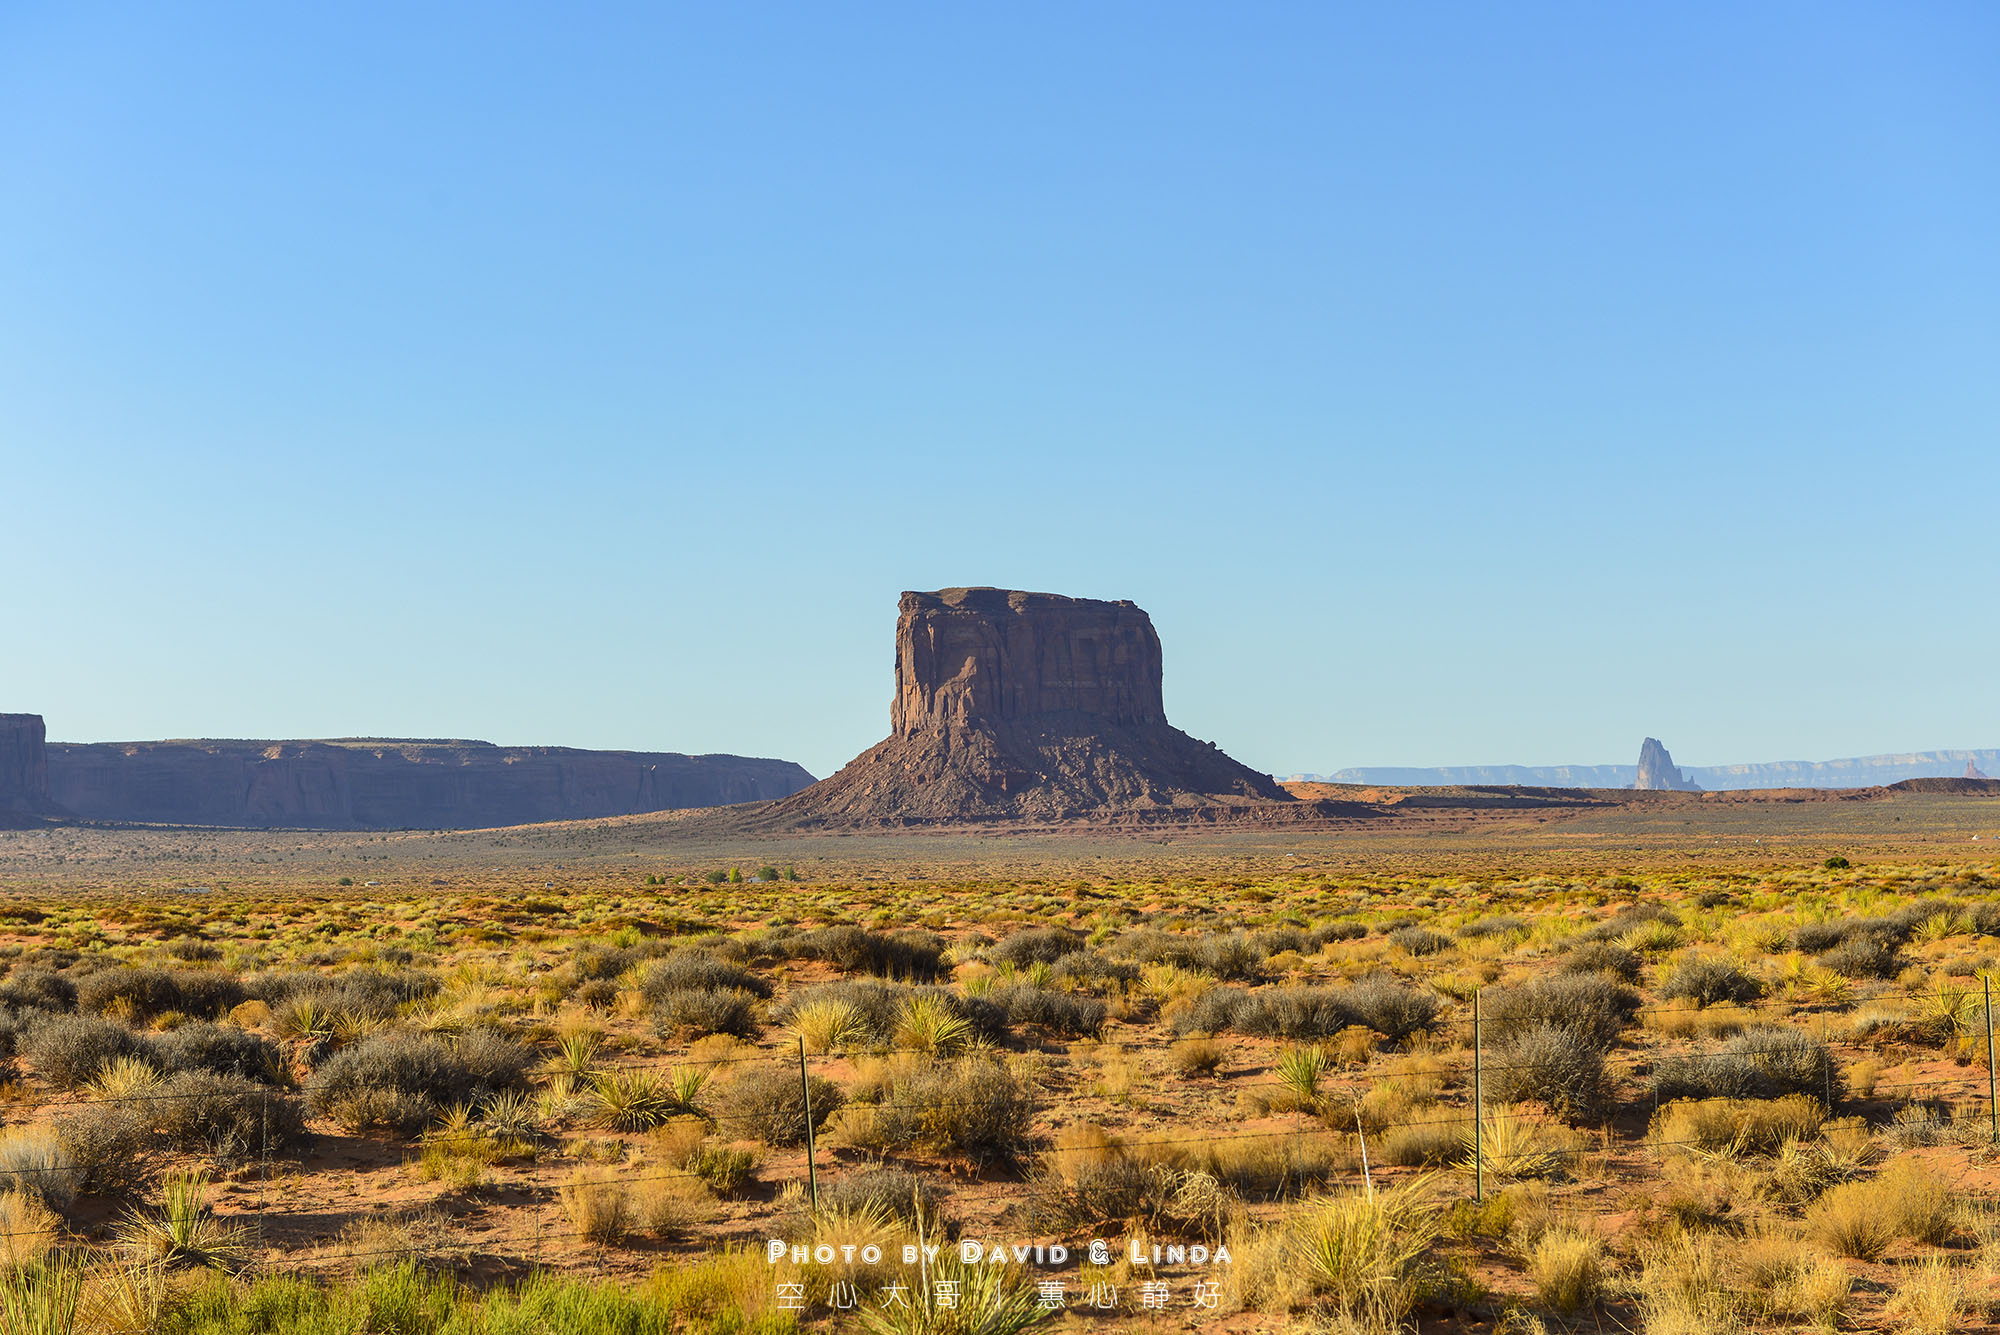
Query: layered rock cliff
[24,766]
[393,784]
[1657,772]
[1013,706]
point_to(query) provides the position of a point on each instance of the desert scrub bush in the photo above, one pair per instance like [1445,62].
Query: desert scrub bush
[110,1146]
[1602,957]
[1086,970]
[1567,1267]
[220,1049]
[400,1080]
[1419,941]
[1755,1064]
[916,955]
[142,993]
[1035,945]
[1627,920]
[1557,1068]
[1591,1006]
[767,1102]
[686,969]
[1761,1125]
[1862,955]
[891,1190]
[984,1300]
[224,1115]
[1063,1013]
[1504,924]
[35,1160]
[974,1108]
[1848,1220]
[828,1025]
[31,987]
[69,1050]
[691,1012]
[1683,1288]
[1705,980]
[1390,1009]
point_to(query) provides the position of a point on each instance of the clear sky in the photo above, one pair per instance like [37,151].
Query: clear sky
[1452,383]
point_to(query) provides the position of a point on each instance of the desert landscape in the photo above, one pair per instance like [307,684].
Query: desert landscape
[1039,1014]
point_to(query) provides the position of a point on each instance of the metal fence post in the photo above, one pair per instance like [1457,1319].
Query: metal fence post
[1992,1105]
[1478,1108]
[805,1089]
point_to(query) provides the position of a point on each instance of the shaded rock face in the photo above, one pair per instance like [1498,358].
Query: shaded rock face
[1013,706]
[1657,772]
[391,784]
[1972,770]
[24,765]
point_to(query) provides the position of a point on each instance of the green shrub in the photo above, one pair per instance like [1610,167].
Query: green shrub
[111,1145]
[909,954]
[400,1079]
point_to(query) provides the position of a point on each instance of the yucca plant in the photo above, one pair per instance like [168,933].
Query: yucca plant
[929,1024]
[182,1232]
[686,1083]
[631,1100]
[510,1114]
[41,1299]
[1300,1070]
[575,1054]
[829,1025]
[1942,925]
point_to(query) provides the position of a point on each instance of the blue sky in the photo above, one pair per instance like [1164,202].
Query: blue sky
[1453,384]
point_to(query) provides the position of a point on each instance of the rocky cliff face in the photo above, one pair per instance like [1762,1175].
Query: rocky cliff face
[1014,706]
[389,784]
[1657,772]
[24,767]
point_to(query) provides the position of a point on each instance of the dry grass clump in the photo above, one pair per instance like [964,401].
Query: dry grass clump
[597,1204]
[1738,1124]
[1567,1266]
[1197,1054]
[1929,1299]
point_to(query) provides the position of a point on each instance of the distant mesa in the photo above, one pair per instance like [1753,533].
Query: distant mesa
[1028,707]
[361,783]
[1657,772]
[24,770]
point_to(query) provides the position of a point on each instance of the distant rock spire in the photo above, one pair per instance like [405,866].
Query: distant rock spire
[1657,772]
[1972,771]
